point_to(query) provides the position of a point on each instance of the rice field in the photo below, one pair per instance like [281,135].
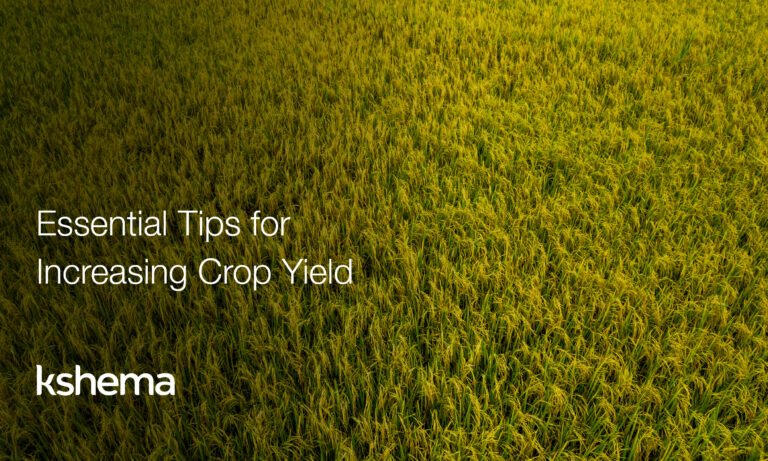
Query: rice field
[557,214]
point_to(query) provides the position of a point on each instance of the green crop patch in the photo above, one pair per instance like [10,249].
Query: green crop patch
[432,230]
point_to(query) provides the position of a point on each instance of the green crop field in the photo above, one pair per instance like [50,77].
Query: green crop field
[557,213]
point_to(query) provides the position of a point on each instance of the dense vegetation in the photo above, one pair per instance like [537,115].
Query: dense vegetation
[559,211]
